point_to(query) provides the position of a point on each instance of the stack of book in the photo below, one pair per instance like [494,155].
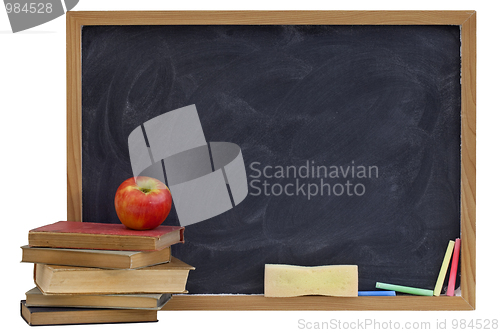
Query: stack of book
[101,273]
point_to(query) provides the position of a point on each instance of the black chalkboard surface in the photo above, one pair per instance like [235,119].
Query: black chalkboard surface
[368,116]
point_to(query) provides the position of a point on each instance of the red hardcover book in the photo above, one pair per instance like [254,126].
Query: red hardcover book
[104,236]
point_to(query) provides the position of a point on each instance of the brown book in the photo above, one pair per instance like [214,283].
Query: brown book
[95,258]
[104,236]
[164,278]
[35,297]
[36,316]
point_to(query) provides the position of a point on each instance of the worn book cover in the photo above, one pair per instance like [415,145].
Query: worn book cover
[164,278]
[95,258]
[104,236]
[38,316]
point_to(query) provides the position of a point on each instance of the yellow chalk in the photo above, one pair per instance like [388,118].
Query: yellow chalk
[444,268]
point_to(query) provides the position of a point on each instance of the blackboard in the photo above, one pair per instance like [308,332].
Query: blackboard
[307,105]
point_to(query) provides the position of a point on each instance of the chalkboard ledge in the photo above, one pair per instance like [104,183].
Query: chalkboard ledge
[259,302]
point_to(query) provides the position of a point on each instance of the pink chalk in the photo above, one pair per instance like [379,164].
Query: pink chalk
[453,270]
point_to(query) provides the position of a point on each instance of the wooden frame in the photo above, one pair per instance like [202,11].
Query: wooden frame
[465,19]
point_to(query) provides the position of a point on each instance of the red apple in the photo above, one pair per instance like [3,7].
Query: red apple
[142,203]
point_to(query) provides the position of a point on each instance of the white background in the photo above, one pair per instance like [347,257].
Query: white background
[33,164]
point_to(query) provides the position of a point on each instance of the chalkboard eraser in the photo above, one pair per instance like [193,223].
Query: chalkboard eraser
[291,281]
